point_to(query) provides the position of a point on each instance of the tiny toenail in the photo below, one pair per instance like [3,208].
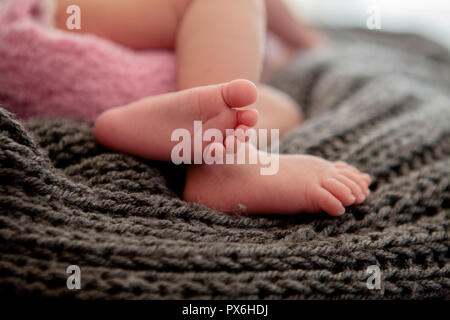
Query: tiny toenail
[342,211]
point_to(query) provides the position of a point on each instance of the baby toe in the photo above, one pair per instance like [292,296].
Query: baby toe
[248,117]
[367,178]
[244,134]
[340,191]
[346,166]
[354,187]
[239,93]
[329,203]
[343,165]
[356,178]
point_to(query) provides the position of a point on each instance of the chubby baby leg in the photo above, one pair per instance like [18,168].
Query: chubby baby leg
[220,40]
[138,24]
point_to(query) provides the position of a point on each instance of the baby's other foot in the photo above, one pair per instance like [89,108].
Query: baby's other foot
[302,184]
[332,185]
[144,128]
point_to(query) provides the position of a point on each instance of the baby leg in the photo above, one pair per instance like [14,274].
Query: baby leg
[282,22]
[139,24]
[220,40]
[210,49]
[220,45]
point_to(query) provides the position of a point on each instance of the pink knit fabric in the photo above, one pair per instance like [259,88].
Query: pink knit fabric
[46,71]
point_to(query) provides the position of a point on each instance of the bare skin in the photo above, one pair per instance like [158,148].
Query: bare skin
[179,25]
[303,184]
[136,128]
[217,41]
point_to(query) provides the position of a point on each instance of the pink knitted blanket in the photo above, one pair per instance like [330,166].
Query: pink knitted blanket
[48,71]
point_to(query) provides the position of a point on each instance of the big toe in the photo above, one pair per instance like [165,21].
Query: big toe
[239,93]
[247,117]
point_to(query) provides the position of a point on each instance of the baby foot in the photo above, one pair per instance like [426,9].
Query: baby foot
[144,128]
[303,184]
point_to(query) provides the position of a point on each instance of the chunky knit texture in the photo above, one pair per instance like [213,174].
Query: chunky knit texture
[380,102]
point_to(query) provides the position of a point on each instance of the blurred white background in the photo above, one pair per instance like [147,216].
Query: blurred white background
[430,18]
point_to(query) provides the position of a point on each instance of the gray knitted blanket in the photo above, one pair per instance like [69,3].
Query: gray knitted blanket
[380,102]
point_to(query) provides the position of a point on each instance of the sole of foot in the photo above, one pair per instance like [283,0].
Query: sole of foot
[144,128]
